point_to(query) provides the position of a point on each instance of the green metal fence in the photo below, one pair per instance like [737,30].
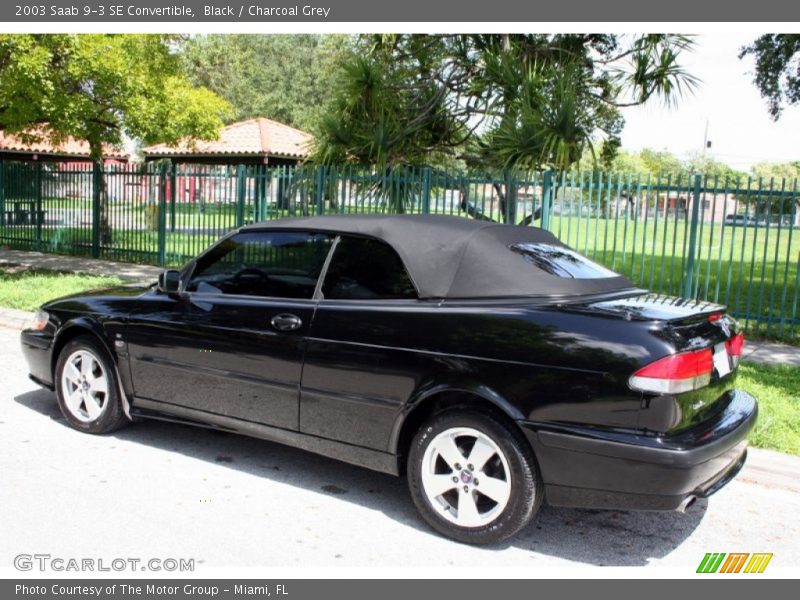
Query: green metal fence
[728,241]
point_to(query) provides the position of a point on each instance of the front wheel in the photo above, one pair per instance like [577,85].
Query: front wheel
[87,389]
[473,478]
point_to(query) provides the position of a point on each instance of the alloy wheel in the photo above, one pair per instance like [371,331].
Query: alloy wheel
[466,477]
[84,386]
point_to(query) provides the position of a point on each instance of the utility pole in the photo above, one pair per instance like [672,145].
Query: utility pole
[706,143]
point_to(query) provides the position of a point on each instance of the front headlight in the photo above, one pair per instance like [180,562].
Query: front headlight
[39,320]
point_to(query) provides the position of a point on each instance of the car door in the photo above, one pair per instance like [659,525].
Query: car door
[232,342]
[355,378]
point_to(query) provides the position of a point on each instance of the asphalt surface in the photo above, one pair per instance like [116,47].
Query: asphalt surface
[163,490]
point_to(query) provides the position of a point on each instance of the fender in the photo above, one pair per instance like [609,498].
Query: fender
[86,323]
[92,325]
[461,386]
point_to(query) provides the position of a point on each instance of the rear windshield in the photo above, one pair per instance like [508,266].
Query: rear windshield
[561,261]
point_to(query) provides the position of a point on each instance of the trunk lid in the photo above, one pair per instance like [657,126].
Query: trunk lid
[654,307]
[688,327]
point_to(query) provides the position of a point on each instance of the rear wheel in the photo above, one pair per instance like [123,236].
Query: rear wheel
[473,478]
[87,389]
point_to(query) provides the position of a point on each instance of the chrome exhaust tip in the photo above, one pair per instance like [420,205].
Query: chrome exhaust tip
[686,503]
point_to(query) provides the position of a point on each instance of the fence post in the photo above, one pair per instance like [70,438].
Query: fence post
[688,278]
[97,173]
[162,216]
[241,193]
[320,190]
[259,195]
[173,192]
[2,193]
[547,189]
[265,191]
[426,190]
[37,213]
[511,202]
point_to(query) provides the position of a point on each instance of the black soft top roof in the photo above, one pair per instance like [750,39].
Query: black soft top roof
[454,257]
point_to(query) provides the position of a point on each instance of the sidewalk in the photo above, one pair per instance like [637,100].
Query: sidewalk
[78,264]
[771,469]
[132,273]
[758,352]
[770,353]
[13,318]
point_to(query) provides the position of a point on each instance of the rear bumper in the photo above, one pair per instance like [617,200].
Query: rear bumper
[586,468]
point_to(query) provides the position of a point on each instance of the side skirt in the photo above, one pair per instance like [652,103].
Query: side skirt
[355,455]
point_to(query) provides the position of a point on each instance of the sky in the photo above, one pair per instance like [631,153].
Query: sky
[739,126]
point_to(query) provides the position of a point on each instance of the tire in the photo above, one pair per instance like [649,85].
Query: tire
[491,513]
[87,388]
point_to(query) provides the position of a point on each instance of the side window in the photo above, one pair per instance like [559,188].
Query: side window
[263,263]
[362,268]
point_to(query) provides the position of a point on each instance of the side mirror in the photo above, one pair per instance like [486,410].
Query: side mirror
[169,281]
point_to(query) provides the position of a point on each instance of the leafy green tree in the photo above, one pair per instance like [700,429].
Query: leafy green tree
[779,172]
[661,162]
[646,162]
[282,77]
[661,166]
[500,103]
[389,114]
[714,170]
[777,73]
[102,89]
[387,110]
[782,177]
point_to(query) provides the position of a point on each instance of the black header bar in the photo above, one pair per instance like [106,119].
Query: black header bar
[362,11]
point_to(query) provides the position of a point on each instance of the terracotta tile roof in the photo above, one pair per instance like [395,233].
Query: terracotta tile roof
[261,137]
[71,147]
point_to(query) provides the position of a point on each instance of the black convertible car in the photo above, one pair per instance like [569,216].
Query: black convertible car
[492,365]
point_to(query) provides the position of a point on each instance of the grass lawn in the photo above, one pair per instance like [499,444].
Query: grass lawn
[777,389]
[27,290]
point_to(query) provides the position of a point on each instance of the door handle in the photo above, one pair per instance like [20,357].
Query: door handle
[286,322]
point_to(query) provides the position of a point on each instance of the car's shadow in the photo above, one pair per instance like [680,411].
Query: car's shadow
[596,537]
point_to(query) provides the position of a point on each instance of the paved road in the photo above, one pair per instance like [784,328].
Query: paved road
[157,490]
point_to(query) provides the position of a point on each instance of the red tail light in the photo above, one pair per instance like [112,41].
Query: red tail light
[676,374]
[735,347]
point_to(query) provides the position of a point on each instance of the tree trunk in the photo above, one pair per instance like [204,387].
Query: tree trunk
[505,195]
[469,208]
[96,154]
[332,194]
[534,216]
